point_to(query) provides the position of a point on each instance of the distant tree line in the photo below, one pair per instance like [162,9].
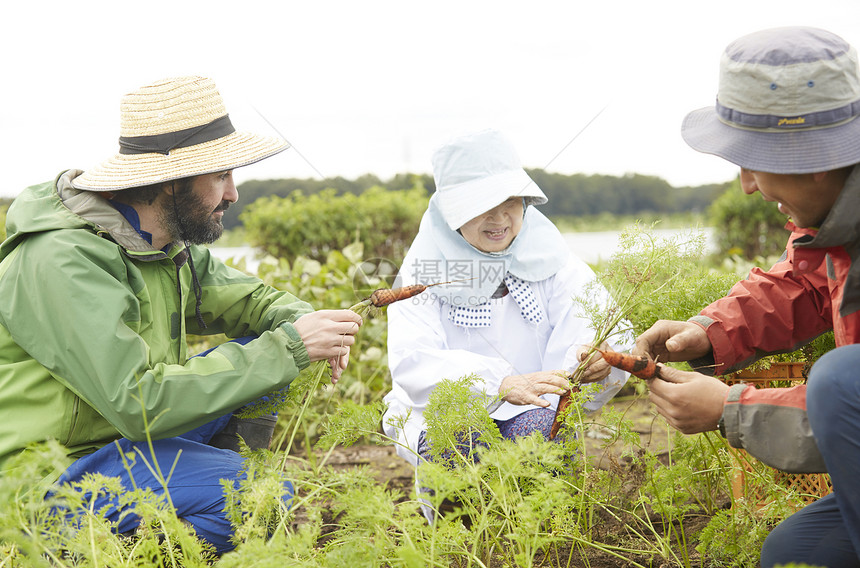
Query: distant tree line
[297,215]
[579,194]
[569,195]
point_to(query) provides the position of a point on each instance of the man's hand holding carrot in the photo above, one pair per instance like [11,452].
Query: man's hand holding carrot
[689,401]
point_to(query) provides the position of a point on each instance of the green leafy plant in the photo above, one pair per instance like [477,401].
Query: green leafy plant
[385,222]
[661,277]
[746,225]
[732,539]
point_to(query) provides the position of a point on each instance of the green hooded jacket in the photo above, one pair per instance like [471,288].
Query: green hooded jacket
[93,326]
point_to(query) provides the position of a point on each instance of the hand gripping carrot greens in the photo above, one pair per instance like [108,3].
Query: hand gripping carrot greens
[378,299]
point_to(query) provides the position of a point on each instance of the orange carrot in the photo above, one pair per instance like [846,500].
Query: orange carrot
[384,296]
[563,403]
[641,366]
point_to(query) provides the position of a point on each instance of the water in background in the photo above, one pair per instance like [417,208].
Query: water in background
[592,247]
[601,245]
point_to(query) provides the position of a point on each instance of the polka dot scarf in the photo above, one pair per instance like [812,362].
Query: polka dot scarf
[479,316]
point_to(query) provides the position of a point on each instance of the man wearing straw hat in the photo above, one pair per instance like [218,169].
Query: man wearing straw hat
[787,114]
[102,278]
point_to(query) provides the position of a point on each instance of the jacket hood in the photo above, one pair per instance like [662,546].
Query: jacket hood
[57,205]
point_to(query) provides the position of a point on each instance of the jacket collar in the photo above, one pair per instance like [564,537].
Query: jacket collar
[108,221]
[841,228]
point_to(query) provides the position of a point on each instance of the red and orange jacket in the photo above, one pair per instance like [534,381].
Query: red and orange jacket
[814,288]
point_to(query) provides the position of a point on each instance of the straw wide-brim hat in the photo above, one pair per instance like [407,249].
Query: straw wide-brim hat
[173,129]
[788,103]
[476,172]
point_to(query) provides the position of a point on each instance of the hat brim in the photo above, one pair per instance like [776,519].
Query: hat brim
[784,152]
[125,171]
[463,202]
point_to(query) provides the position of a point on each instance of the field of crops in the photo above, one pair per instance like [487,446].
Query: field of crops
[620,488]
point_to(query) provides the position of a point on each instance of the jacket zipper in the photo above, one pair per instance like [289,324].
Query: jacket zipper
[74,423]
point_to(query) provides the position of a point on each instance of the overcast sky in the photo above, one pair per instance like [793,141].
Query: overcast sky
[374,87]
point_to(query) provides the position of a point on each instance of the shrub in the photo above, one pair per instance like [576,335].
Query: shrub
[746,225]
[385,222]
[337,283]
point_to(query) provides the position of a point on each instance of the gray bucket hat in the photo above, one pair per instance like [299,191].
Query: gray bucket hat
[788,102]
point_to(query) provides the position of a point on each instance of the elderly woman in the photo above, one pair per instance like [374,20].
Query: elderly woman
[509,317]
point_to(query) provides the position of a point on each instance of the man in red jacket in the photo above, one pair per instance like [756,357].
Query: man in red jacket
[787,114]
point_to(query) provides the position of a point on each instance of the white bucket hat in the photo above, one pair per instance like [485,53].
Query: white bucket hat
[477,172]
[788,103]
[172,129]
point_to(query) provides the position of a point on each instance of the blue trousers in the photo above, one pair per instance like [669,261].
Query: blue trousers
[195,483]
[827,532]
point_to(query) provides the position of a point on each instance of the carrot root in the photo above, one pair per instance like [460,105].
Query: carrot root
[563,402]
[385,296]
[638,366]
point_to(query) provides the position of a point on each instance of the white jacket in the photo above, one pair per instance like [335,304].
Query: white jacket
[425,347]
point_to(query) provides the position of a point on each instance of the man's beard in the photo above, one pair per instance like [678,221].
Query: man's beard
[187,219]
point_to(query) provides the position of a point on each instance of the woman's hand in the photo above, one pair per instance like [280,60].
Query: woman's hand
[526,389]
[594,367]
